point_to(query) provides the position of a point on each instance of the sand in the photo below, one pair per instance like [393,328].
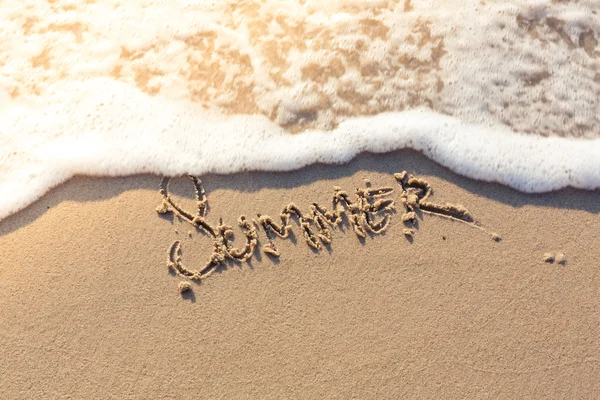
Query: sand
[89,308]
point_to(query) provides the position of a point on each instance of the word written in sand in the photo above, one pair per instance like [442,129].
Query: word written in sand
[368,214]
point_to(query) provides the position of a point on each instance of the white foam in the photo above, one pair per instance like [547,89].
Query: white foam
[119,88]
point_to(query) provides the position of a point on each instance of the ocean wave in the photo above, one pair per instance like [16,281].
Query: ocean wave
[503,91]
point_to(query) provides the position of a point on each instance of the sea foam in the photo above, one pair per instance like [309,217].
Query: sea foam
[502,91]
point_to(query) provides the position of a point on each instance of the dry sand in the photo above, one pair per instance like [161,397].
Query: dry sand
[90,310]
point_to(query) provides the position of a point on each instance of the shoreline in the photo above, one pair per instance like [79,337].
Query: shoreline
[528,163]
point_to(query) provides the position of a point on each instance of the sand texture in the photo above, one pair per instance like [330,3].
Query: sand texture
[503,304]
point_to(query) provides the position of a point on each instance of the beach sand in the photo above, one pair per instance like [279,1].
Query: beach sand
[89,308]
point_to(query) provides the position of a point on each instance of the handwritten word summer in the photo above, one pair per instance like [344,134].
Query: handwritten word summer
[369,213]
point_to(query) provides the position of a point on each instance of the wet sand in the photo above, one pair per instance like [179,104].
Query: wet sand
[89,307]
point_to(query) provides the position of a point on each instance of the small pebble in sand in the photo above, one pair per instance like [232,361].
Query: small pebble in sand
[408,232]
[190,234]
[551,258]
[548,257]
[184,287]
[496,237]
[561,259]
